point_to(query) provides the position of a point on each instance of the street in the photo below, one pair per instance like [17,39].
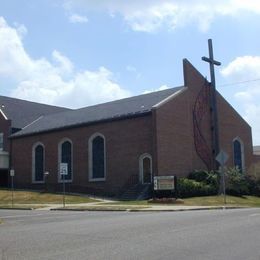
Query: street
[205,234]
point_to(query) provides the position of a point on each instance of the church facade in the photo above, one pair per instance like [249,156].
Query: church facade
[113,146]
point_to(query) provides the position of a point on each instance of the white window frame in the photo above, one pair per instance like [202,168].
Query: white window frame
[33,162]
[90,158]
[141,165]
[60,180]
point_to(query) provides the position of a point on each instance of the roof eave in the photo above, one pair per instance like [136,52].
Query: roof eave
[3,114]
[169,98]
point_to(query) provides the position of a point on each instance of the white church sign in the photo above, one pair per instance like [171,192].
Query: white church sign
[63,169]
[163,182]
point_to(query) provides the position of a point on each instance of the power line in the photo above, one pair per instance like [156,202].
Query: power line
[239,82]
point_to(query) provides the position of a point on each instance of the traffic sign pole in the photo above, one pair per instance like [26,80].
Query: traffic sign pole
[223,183]
[222,158]
[63,172]
[12,185]
[63,177]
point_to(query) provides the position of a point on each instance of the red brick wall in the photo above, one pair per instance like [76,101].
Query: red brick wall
[126,140]
[5,127]
[231,126]
[176,152]
[255,169]
[174,137]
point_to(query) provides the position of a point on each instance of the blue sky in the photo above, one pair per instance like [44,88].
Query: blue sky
[82,52]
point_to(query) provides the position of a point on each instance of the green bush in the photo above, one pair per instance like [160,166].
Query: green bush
[236,182]
[204,183]
[199,176]
[253,186]
[207,177]
[191,188]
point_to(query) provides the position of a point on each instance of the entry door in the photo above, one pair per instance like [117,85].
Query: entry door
[146,169]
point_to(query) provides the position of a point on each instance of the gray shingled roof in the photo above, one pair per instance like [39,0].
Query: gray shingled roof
[128,107]
[23,112]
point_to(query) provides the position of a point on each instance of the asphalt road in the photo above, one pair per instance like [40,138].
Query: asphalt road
[213,234]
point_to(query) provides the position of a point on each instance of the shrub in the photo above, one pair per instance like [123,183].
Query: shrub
[203,183]
[207,177]
[236,182]
[253,185]
[199,176]
[190,188]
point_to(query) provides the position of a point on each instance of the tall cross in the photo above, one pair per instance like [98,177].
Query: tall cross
[213,103]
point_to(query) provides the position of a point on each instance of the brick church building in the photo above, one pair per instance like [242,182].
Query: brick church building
[112,146]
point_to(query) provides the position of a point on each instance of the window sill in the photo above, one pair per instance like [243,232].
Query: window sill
[38,182]
[97,179]
[66,181]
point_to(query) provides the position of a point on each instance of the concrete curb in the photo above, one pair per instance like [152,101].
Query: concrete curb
[148,209]
[17,208]
[191,209]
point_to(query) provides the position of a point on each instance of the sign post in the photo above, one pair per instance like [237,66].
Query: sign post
[222,158]
[164,185]
[63,172]
[12,185]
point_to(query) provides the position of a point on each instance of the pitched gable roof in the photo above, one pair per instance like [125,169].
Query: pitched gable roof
[124,108]
[23,112]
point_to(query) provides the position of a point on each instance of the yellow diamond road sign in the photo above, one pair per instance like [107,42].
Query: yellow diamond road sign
[222,157]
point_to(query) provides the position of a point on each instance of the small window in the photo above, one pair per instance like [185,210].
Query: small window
[65,156]
[145,168]
[38,163]
[238,154]
[97,157]
[1,141]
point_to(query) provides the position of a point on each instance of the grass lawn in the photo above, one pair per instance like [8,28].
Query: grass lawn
[246,201]
[34,197]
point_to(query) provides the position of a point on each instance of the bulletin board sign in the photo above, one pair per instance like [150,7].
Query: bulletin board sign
[164,183]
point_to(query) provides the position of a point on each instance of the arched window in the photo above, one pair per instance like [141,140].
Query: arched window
[145,168]
[238,154]
[38,163]
[65,156]
[97,158]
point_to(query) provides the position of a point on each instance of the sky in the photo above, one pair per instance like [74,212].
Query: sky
[76,53]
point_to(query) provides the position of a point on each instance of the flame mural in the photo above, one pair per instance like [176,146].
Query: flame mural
[200,109]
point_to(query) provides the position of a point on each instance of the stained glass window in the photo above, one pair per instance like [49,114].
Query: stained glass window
[66,157]
[98,158]
[38,163]
[237,151]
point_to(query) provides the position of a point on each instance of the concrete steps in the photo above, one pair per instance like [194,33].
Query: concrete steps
[137,192]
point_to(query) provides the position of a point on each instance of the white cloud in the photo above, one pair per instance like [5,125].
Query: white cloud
[76,18]
[151,15]
[21,29]
[243,69]
[163,87]
[52,82]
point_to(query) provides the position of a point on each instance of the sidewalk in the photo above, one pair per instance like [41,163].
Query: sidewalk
[101,206]
[109,205]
